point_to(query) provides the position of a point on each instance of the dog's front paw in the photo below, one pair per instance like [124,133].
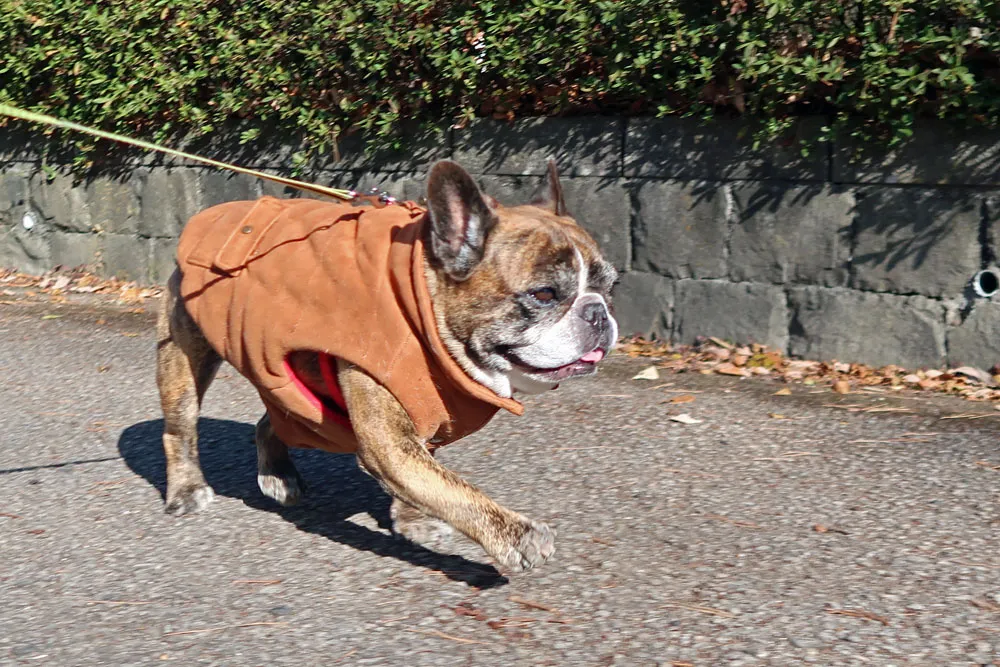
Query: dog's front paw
[410,523]
[536,543]
[287,489]
[188,499]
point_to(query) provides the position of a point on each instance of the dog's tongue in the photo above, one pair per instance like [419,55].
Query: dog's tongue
[594,356]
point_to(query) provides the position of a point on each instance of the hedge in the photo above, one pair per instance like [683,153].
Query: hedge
[322,68]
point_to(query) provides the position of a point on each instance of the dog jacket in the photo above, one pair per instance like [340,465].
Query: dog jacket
[267,278]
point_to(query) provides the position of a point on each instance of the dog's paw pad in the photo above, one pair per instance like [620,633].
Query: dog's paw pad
[188,500]
[536,545]
[285,489]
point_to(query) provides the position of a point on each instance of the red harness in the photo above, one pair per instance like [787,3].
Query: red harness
[335,407]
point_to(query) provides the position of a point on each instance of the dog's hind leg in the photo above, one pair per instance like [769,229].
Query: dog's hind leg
[276,474]
[185,367]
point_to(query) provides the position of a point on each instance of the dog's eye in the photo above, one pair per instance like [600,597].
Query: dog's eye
[544,295]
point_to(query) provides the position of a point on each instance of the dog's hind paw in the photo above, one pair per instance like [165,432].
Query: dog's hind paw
[188,499]
[285,489]
[536,544]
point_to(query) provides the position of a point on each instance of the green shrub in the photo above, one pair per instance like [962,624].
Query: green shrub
[317,69]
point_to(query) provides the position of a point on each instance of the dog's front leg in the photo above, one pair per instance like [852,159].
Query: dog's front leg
[391,452]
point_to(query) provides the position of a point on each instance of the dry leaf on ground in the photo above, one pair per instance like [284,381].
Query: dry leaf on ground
[712,356]
[648,373]
[685,418]
[731,369]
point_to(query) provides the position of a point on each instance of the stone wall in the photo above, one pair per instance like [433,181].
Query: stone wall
[846,253]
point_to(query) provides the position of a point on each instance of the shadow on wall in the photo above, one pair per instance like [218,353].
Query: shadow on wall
[585,146]
[902,240]
[337,490]
[919,241]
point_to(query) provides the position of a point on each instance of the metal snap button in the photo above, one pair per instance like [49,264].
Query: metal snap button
[247,229]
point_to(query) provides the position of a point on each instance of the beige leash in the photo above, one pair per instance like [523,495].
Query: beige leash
[375,197]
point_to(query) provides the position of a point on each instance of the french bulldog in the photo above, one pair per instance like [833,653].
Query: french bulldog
[521,302]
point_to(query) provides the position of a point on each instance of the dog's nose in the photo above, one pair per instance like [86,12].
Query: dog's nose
[596,314]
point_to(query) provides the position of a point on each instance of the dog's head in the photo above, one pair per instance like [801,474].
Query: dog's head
[521,294]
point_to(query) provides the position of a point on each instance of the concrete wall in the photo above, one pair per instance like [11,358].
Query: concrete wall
[845,254]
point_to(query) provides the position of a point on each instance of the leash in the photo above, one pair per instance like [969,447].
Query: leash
[375,197]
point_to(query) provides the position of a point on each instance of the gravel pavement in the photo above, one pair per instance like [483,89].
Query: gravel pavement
[782,530]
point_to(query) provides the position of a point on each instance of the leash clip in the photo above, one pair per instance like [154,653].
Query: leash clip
[375,196]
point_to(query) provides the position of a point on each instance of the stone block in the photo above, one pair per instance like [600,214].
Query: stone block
[13,193]
[976,341]
[512,190]
[168,197]
[691,149]
[601,206]
[791,234]
[916,241]
[113,204]
[680,229]
[72,250]
[738,312]
[61,200]
[580,146]
[125,257]
[643,305]
[991,213]
[937,153]
[416,148]
[876,329]
[218,187]
[23,249]
[162,260]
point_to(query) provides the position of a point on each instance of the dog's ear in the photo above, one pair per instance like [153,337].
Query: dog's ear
[460,219]
[550,195]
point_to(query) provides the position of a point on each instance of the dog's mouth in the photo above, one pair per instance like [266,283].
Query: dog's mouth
[585,365]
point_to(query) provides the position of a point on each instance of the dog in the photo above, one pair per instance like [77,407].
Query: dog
[385,332]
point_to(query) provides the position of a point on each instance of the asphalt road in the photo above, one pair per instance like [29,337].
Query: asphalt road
[841,534]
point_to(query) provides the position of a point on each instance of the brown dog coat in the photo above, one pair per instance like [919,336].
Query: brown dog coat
[267,278]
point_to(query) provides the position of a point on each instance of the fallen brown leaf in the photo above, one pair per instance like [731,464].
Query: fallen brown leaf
[466,609]
[783,392]
[698,608]
[820,528]
[685,398]
[985,605]
[842,387]
[438,633]
[532,605]
[859,613]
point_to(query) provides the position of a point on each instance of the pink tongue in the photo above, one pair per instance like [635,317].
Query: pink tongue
[594,356]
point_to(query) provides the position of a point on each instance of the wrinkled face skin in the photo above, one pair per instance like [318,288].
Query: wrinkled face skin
[535,309]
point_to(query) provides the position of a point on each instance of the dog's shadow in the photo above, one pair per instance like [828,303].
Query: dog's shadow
[337,489]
